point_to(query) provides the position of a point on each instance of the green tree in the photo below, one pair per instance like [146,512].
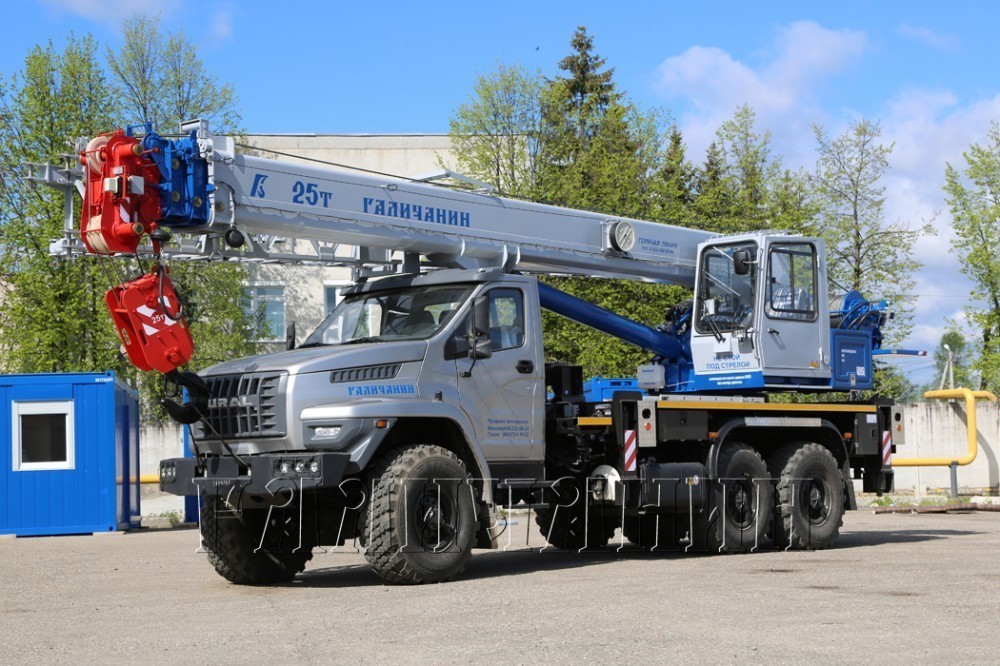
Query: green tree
[162,80]
[973,196]
[865,252]
[743,186]
[495,133]
[589,89]
[53,316]
[600,152]
[679,180]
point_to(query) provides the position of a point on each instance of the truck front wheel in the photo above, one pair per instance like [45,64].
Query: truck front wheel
[811,497]
[253,546]
[419,526]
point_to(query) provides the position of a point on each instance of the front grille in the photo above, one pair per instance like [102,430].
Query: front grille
[365,374]
[247,405]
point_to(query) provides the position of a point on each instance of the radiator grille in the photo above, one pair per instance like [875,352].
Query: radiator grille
[247,405]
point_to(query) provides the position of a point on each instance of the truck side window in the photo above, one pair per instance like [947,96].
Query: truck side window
[791,282]
[506,318]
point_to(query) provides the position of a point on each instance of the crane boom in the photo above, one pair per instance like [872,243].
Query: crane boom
[759,319]
[202,186]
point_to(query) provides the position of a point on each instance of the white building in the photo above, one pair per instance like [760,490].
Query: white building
[304,294]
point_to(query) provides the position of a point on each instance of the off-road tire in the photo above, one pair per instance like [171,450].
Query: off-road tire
[233,541]
[568,509]
[810,497]
[741,503]
[419,526]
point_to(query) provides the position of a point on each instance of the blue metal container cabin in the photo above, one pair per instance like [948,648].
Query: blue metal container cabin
[69,454]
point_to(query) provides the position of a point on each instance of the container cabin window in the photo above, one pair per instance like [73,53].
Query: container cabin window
[792,282]
[43,437]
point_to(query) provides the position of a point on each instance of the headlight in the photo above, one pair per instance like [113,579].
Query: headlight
[326,432]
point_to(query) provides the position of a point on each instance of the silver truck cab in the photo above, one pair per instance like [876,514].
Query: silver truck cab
[395,352]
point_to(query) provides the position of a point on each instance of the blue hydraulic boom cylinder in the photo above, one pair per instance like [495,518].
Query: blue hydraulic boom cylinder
[608,322]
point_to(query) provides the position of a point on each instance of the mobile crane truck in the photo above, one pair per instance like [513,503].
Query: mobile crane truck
[423,402]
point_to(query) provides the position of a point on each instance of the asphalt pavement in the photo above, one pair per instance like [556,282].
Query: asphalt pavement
[895,588]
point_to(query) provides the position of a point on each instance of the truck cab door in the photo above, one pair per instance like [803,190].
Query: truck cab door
[504,395]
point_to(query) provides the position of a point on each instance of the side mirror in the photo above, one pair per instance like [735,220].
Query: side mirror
[741,262]
[290,336]
[481,348]
[481,317]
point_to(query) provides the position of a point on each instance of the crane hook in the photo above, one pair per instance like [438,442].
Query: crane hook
[196,405]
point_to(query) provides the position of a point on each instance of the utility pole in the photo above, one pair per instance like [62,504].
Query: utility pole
[948,369]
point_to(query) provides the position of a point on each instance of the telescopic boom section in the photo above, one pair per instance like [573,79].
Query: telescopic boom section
[198,184]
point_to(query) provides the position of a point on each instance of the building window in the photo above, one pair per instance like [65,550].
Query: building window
[43,435]
[267,304]
[332,296]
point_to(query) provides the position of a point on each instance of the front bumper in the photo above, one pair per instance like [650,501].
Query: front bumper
[273,474]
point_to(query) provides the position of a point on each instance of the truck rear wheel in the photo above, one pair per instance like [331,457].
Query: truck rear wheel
[811,497]
[420,524]
[566,522]
[741,502]
[249,548]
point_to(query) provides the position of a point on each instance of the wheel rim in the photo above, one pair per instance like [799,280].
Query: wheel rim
[435,518]
[740,505]
[816,500]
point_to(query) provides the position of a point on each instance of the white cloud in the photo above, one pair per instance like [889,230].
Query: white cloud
[222,24]
[929,129]
[932,38]
[111,12]
[780,91]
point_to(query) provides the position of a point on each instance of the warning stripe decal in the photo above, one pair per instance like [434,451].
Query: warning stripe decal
[886,448]
[630,451]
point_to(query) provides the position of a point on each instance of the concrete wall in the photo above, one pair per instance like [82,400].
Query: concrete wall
[396,154]
[937,429]
[157,442]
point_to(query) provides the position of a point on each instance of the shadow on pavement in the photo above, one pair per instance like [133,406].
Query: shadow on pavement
[882,537]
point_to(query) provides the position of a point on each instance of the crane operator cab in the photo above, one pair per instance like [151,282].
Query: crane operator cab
[761,317]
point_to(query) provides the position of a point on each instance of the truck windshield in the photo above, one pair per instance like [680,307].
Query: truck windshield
[726,299]
[402,314]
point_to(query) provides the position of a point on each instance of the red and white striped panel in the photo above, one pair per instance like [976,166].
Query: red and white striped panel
[631,450]
[886,448]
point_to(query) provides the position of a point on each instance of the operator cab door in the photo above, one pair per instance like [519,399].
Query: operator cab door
[504,395]
[793,340]
[722,350]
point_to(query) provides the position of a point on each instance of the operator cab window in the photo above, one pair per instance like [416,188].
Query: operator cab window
[791,282]
[726,302]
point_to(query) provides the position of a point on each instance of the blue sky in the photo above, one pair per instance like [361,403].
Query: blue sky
[926,70]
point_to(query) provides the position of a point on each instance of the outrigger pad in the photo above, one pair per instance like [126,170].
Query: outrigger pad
[153,339]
